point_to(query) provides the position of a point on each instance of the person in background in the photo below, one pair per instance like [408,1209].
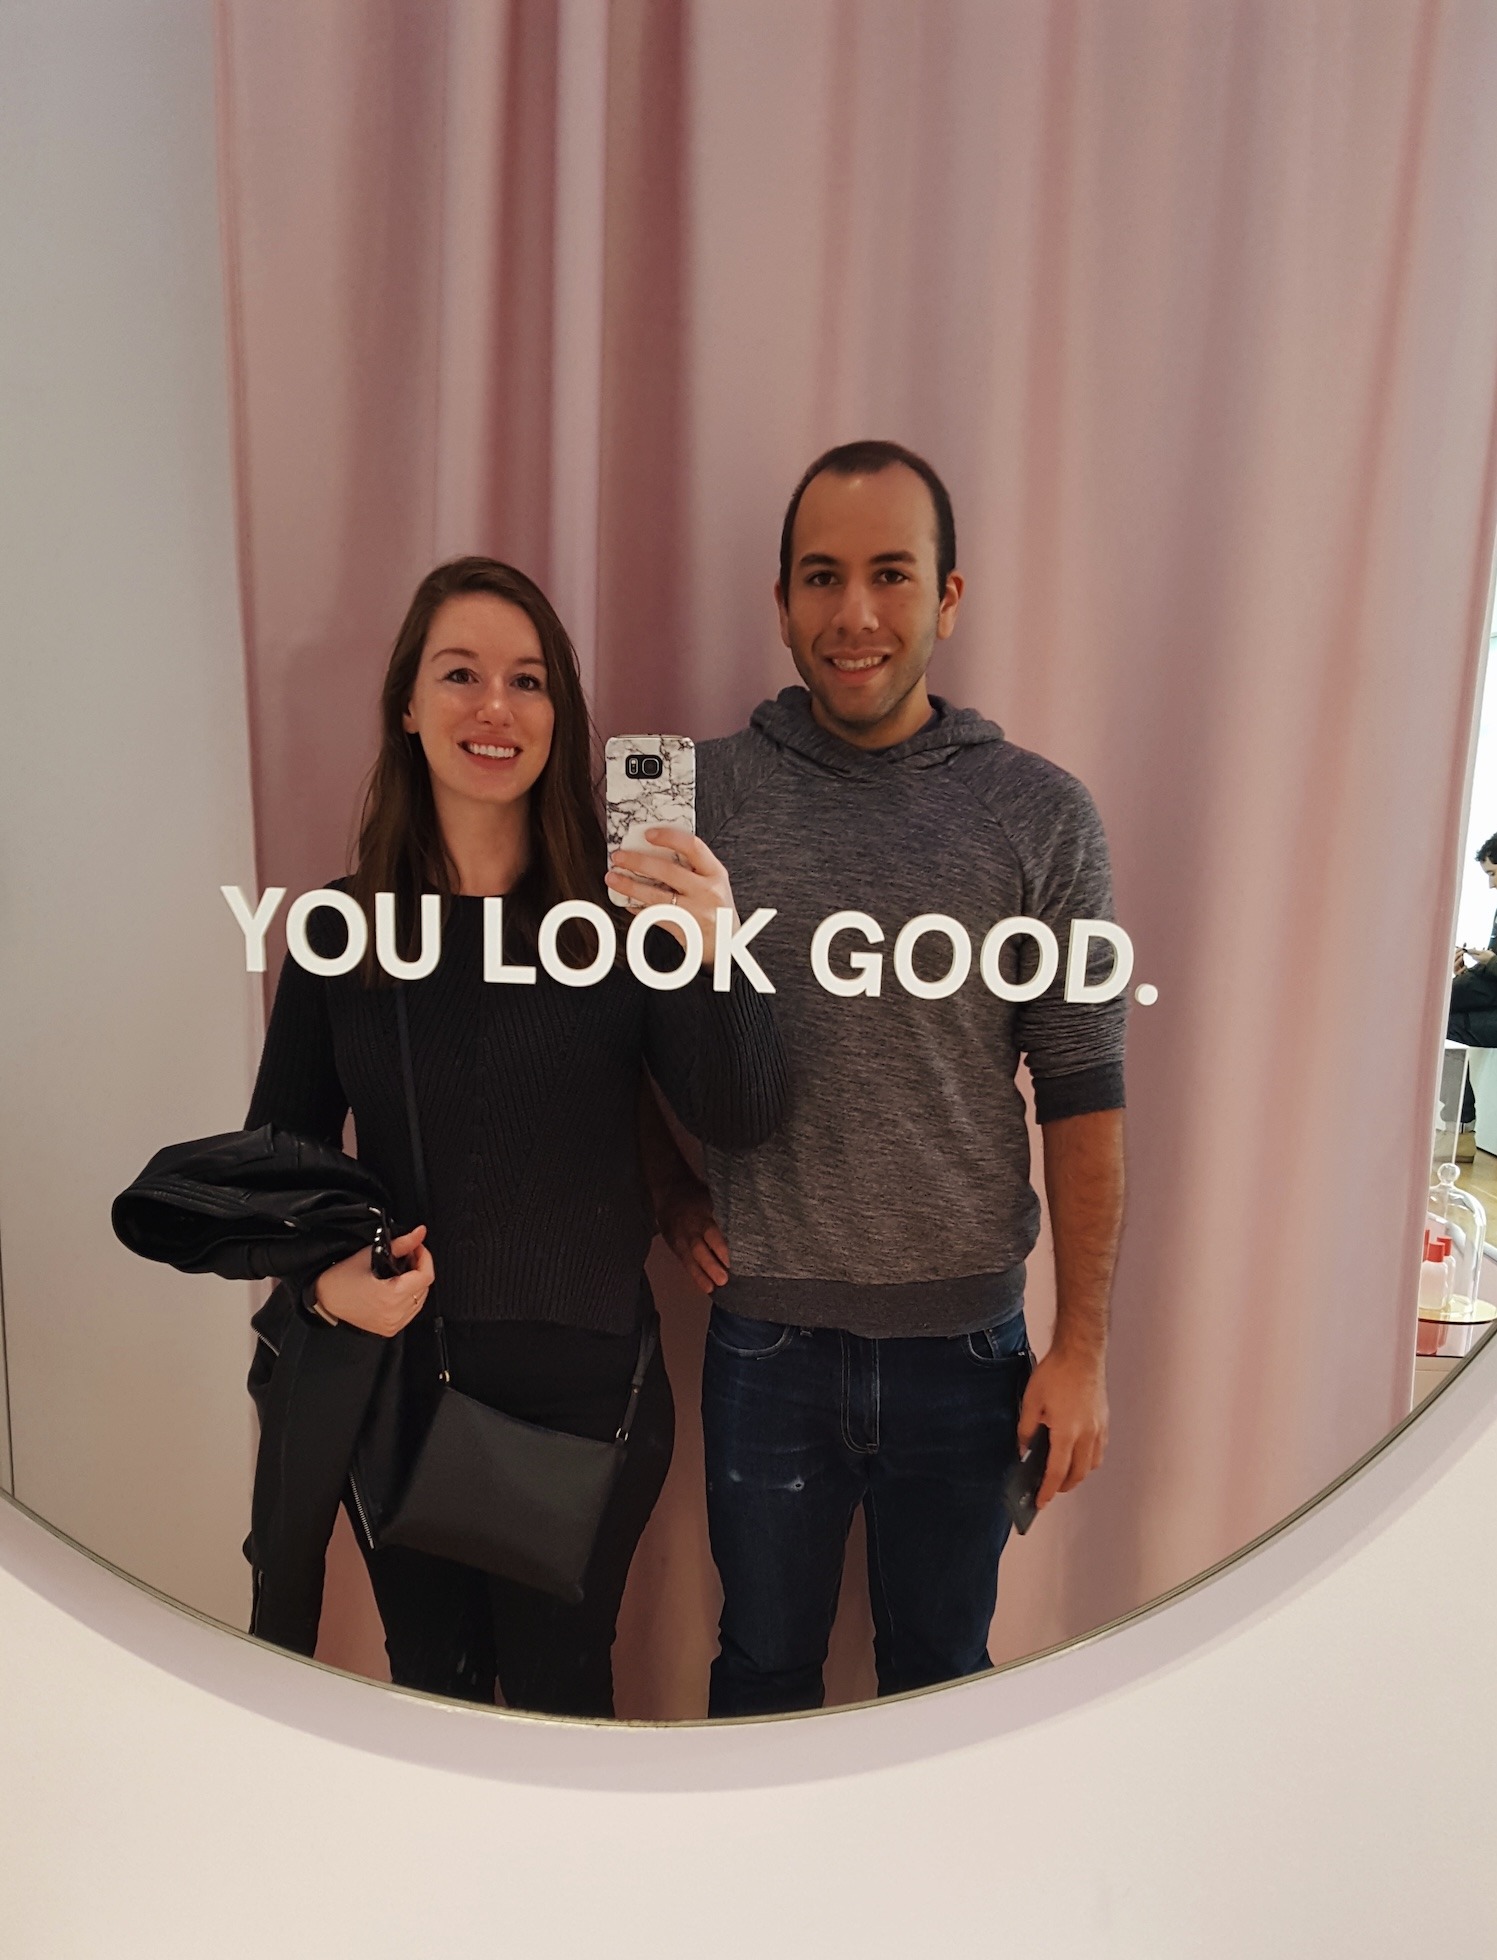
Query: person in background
[867,1340]
[1472,1019]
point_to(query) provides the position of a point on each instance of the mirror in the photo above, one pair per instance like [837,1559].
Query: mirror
[589,301]
[1458,1276]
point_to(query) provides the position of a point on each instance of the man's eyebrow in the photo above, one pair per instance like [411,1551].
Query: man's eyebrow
[817,559]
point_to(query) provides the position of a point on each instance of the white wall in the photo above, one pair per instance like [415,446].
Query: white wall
[1474,914]
[124,781]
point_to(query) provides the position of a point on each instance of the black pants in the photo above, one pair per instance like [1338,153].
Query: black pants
[455,1631]
[1472,1021]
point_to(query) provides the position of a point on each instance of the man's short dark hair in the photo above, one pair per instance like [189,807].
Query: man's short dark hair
[1488,852]
[869,459]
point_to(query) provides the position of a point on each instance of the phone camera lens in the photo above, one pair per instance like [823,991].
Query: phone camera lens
[651,765]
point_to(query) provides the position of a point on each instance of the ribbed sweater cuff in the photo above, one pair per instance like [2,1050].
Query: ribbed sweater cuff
[1081,1093]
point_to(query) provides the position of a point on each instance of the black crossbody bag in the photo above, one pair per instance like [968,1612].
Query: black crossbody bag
[489,1490]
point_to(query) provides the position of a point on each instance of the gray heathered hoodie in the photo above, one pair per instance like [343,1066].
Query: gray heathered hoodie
[895,1199]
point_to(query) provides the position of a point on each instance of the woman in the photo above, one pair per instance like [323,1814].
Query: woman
[527,1097]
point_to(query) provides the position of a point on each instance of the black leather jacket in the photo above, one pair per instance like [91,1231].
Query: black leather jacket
[266,1203]
[336,1417]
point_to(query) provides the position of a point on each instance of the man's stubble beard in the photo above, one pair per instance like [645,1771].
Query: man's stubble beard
[875,716]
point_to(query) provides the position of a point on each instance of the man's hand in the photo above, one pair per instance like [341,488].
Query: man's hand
[691,1231]
[1068,1389]
[1068,1394]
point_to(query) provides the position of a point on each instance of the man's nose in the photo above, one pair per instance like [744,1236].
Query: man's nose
[858,612]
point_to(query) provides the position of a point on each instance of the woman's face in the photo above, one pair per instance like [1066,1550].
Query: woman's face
[482,704]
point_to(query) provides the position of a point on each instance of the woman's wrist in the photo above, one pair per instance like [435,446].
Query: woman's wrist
[313,1304]
[680,1194]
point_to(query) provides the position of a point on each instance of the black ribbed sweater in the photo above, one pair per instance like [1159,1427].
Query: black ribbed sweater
[527,1102]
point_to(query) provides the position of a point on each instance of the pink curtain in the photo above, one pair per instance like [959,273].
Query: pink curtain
[1194,304]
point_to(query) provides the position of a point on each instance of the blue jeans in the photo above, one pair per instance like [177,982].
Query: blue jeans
[804,1424]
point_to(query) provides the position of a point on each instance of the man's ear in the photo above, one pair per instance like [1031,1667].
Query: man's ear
[779,600]
[951,599]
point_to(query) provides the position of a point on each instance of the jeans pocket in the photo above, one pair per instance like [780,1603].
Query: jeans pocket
[1001,1345]
[750,1339]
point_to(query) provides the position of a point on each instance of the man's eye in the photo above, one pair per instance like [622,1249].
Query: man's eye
[818,578]
[891,575]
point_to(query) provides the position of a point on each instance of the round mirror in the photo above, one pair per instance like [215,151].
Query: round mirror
[1026,619]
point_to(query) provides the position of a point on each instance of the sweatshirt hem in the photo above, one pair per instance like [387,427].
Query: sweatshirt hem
[902,1309]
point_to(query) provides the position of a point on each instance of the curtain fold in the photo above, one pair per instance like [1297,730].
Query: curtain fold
[1193,304]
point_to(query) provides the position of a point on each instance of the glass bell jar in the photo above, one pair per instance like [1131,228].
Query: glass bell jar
[1452,1316]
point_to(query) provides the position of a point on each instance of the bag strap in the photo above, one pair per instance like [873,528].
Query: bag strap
[408,1076]
[418,1158]
[649,1335]
[649,1340]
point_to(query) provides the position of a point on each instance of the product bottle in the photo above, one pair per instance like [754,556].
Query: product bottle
[1435,1271]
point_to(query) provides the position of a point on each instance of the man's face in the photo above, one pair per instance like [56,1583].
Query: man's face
[1491,871]
[862,616]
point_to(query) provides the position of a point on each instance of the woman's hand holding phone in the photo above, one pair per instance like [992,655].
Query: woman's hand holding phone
[693,879]
[349,1291]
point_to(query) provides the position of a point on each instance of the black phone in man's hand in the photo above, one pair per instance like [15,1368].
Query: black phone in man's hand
[1022,1480]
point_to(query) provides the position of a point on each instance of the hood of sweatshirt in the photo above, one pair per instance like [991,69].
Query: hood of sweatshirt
[788,723]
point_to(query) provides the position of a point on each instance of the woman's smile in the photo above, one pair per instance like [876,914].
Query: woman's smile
[489,751]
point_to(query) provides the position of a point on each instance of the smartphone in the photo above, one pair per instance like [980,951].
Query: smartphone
[1022,1480]
[382,1261]
[651,780]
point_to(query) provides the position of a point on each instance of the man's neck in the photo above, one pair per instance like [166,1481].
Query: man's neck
[907,718]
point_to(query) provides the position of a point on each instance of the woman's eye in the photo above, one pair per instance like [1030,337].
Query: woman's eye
[532,683]
[459,674]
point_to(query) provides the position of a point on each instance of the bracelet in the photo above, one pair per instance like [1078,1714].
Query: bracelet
[311,1302]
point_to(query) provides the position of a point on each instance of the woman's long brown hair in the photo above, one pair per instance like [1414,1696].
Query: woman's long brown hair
[400,847]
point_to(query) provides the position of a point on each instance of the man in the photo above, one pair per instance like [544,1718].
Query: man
[1472,1018]
[867,1342]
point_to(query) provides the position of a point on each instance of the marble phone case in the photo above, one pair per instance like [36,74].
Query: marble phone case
[636,804]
